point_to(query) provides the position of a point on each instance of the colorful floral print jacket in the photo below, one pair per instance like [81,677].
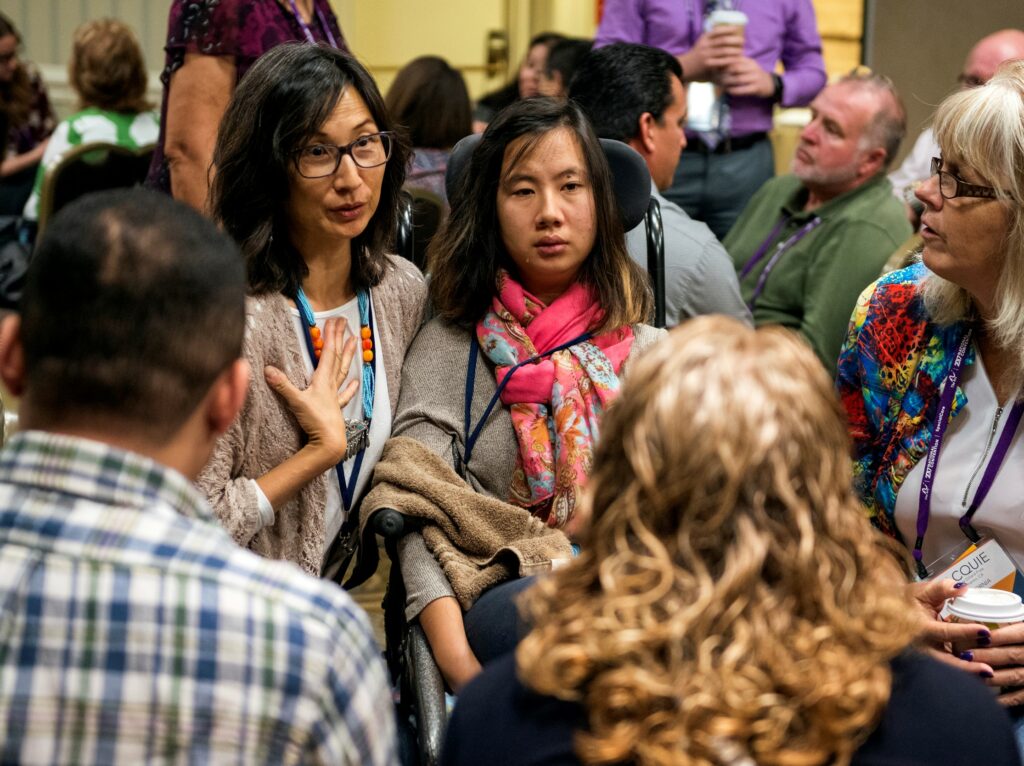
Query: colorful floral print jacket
[890,375]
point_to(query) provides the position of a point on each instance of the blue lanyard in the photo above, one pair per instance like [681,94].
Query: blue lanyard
[348,488]
[995,462]
[473,433]
[305,27]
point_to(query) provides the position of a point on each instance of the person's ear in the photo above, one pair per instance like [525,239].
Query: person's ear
[12,355]
[872,162]
[227,396]
[645,132]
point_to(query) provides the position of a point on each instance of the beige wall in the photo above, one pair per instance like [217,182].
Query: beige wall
[921,45]
[841,24]
[47,26]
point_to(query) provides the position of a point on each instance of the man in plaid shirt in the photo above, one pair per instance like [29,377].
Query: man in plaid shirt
[132,629]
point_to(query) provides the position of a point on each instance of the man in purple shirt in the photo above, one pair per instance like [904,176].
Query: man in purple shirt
[713,183]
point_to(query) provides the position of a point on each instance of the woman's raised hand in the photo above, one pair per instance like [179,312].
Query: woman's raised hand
[319,407]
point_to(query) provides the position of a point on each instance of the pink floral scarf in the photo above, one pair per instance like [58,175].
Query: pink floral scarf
[556,403]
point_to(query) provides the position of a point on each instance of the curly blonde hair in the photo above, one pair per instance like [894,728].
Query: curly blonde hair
[730,595]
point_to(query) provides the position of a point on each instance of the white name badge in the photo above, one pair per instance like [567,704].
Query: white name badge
[702,107]
[984,564]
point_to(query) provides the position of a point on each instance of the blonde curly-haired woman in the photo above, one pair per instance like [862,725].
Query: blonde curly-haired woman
[731,603]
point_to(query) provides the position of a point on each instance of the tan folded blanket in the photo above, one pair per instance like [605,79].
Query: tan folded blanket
[478,540]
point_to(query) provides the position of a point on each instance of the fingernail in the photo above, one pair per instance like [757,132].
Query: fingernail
[984,634]
[959,585]
[985,674]
[984,641]
[967,656]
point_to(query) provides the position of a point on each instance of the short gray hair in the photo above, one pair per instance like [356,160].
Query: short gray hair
[888,126]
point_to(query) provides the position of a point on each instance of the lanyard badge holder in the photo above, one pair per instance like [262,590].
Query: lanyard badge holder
[461,461]
[981,561]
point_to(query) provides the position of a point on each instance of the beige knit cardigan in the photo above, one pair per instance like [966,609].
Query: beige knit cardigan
[266,433]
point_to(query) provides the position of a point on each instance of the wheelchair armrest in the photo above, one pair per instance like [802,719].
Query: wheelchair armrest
[389,523]
[428,686]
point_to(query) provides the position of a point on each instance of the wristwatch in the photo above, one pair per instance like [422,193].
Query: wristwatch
[777,95]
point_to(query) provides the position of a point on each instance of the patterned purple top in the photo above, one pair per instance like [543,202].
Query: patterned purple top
[242,29]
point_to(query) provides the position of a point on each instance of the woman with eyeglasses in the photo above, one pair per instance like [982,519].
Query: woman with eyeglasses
[308,181]
[932,370]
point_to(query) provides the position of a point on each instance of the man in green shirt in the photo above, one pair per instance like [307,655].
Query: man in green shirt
[810,242]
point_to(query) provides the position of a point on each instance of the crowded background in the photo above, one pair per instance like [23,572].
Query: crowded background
[591,382]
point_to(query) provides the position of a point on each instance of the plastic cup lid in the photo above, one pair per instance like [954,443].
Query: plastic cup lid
[988,605]
[732,18]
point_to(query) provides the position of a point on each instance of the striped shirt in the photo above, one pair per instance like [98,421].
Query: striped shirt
[133,630]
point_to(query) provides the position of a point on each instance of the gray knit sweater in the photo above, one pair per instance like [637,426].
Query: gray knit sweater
[432,411]
[266,433]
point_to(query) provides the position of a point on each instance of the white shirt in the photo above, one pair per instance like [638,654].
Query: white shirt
[917,166]
[961,463]
[380,425]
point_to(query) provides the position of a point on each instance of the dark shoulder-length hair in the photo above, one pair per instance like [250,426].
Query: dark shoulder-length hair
[17,95]
[282,101]
[429,98]
[465,256]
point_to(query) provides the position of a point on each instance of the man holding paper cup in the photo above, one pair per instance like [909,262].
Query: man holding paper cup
[729,52]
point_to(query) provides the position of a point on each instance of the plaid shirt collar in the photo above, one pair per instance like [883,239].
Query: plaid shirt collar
[99,472]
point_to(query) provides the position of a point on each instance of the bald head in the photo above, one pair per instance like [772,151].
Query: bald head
[985,57]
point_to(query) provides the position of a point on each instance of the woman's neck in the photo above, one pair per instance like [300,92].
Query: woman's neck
[1000,366]
[328,283]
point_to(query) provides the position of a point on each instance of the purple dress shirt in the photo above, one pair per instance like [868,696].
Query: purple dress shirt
[778,30]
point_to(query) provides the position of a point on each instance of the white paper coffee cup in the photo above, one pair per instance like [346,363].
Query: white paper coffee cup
[992,608]
[726,18]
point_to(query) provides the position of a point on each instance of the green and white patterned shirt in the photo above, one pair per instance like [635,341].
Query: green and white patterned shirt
[85,127]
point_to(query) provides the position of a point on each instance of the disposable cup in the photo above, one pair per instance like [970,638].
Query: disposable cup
[988,606]
[726,18]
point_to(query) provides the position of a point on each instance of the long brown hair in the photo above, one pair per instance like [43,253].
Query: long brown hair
[730,595]
[15,96]
[429,99]
[282,101]
[465,256]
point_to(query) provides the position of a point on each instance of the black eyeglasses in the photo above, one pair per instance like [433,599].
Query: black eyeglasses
[970,80]
[950,186]
[320,160]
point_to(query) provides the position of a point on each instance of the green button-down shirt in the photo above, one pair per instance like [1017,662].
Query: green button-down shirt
[814,285]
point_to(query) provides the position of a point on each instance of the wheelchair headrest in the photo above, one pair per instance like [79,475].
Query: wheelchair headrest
[631,181]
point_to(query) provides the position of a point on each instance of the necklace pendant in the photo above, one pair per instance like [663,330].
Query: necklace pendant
[357,436]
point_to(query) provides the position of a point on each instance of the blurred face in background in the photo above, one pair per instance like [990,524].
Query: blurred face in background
[531,71]
[8,57]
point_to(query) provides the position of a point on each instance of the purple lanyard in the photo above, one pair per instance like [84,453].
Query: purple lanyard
[924,506]
[305,27]
[780,250]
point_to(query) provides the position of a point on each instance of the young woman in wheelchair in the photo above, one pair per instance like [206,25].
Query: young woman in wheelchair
[308,178]
[539,311]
